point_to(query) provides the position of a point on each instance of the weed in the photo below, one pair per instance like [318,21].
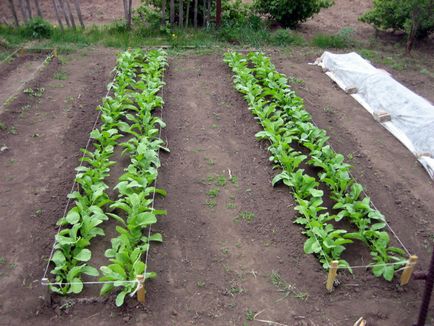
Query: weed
[231,205]
[221,181]
[211,203]
[295,81]
[12,130]
[246,216]
[234,180]
[2,126]
[216,116]
[225,251]
[37,92]
[286,288]
[200,284]
[213,193]
[214,126]
[250,314]
[2,260]
[60,75]
[209,161]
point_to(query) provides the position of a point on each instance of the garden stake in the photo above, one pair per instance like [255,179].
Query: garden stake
[332,275]
[429,284]
[408,270]
[47,293]
[141,289]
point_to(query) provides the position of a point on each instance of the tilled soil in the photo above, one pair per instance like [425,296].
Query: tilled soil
[43,136]
[223,256]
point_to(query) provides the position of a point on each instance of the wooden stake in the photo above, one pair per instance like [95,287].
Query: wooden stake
[180,13]
[141,291]
[163,13]
[58,17]
[172,12]
[332,275]
[63,11]
[14,13]
[408,271]
[195,14]
[71,16]
[77,8]
[38,8]
[23,10]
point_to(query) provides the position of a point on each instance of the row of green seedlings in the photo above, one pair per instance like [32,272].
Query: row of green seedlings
[129,112]
[285,122]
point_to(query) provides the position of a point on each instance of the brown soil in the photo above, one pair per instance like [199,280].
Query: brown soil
[93,11]
[43,137]
[343,14]
[17,73]
[213,266]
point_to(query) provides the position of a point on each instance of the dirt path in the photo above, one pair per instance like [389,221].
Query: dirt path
[17,73]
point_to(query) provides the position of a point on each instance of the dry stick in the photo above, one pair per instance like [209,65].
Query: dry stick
[56,10]
[187,13]
[172,12]
[181,13]
[14,12]
[163,13]
[29,9]
[195,14]
[23,10]
[63,11]
[77,8]
[70,14]
[38,8]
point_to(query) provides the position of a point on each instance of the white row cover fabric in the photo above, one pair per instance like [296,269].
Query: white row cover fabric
[411,116]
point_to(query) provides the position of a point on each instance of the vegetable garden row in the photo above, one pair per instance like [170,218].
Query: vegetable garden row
[128,116]
[296,145]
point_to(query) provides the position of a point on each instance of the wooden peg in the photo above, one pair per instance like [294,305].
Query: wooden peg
[408,270]
[55,53]
[332,275]
[360,322]
[141,290]
[46,291]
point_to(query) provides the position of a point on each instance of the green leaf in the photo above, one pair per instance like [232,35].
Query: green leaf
[120,298]
[73,217]
[311,246]
[84,255]
[76,286]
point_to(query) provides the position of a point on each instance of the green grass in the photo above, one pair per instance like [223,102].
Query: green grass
[341,40]
[246,216]
[115,35]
